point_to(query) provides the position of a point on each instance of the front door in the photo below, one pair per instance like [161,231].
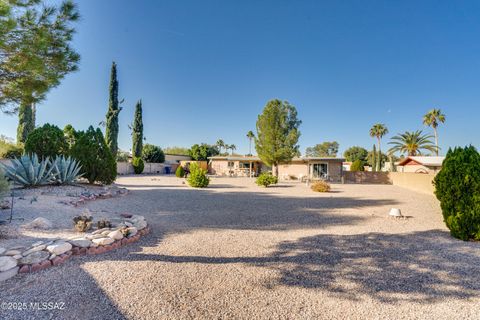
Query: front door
[320,170]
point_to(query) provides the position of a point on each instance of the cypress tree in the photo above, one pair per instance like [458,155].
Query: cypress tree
[137,134]
[111,131]
[25,122]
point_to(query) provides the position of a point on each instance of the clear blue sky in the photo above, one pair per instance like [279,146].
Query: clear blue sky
[205,69]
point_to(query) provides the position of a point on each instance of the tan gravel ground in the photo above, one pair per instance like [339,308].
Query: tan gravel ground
[238,251]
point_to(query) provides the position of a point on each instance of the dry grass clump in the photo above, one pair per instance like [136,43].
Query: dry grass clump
[321,186]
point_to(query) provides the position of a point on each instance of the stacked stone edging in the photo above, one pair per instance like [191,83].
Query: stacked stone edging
[42,255]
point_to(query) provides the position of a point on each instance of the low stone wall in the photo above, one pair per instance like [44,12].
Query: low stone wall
[150,168]
[418,182]
[42,255]
[367,177]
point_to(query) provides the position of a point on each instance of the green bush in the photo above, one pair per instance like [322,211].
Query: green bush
[98,163]
[265,179]
[180,172]
[197,177]
[357,165]
[122,156]
[138,165]
[46,141]
[153,154]
[458,190]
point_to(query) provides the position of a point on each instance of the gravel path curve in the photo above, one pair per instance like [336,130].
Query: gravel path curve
[235,250]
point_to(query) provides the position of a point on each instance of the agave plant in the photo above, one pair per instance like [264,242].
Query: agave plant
[28,171]
[66,170]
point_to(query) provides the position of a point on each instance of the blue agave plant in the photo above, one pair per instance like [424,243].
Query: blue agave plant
[66,170]
[28,171]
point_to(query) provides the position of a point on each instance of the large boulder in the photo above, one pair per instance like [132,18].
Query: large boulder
[7,263]
[115,235]
[81,242]
[103,241]
[59,248]
[39,223]
[35,257]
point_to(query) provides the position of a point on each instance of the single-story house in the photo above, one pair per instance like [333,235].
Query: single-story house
[297,169]
[312,168]
[176,158]
[421,164]
[236,166]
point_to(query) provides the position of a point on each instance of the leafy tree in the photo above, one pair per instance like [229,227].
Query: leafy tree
[35,55]
[325,149]
[277,133]
[232,147]
[357,165]
[122,156]
[137,134]
[356,153]
[153,154]
[432,119]
[412,143]
[70,135]
[46,141]
[8,149]
[220,144]
[203,151]
[378,131]
[250,136]
[111,131]
[98,163]
[176,150]
[457,187]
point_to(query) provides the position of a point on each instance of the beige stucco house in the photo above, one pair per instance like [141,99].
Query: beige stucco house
[298,169]
[420,164]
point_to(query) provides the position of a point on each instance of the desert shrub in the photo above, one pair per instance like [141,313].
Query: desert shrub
[357,165]
[98,163]
[321,186]
[138,165]
[4,184]
[180,172]
[197,177]
[9,150]
[265,179]
[458,190]
[29,171]
[154,154]
[46,141]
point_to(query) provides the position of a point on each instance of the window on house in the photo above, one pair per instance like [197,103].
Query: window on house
[320,170]
[231,164]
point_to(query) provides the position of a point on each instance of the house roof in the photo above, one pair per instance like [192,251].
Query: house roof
[423,160]
[255,158]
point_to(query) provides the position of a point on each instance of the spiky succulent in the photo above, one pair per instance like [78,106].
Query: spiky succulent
[66,170]
[28,171]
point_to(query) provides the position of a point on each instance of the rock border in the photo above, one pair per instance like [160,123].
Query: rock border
[43,255]
[86,196]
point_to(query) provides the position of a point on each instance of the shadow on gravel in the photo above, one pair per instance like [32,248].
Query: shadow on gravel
[421,267]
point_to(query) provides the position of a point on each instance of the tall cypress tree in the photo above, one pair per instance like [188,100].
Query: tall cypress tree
[137,134]
[25,122]
[111,131]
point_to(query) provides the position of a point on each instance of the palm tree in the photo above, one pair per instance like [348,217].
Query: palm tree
[220,144]
[232,147]
[250,136]
[378,130]
[433,119]
[412,143]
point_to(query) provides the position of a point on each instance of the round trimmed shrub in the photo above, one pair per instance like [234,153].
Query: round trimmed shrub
[46,141]
[265,179]
[320,186]
[180,172]
[357,165]
[457,187]
[98,163]
[138,165]
[197,177]
[153,154]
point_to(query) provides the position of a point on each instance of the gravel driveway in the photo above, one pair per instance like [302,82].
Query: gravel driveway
[235,250]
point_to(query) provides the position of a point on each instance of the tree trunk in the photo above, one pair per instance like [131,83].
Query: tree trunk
[379,160]
[436,139]
[275,169]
